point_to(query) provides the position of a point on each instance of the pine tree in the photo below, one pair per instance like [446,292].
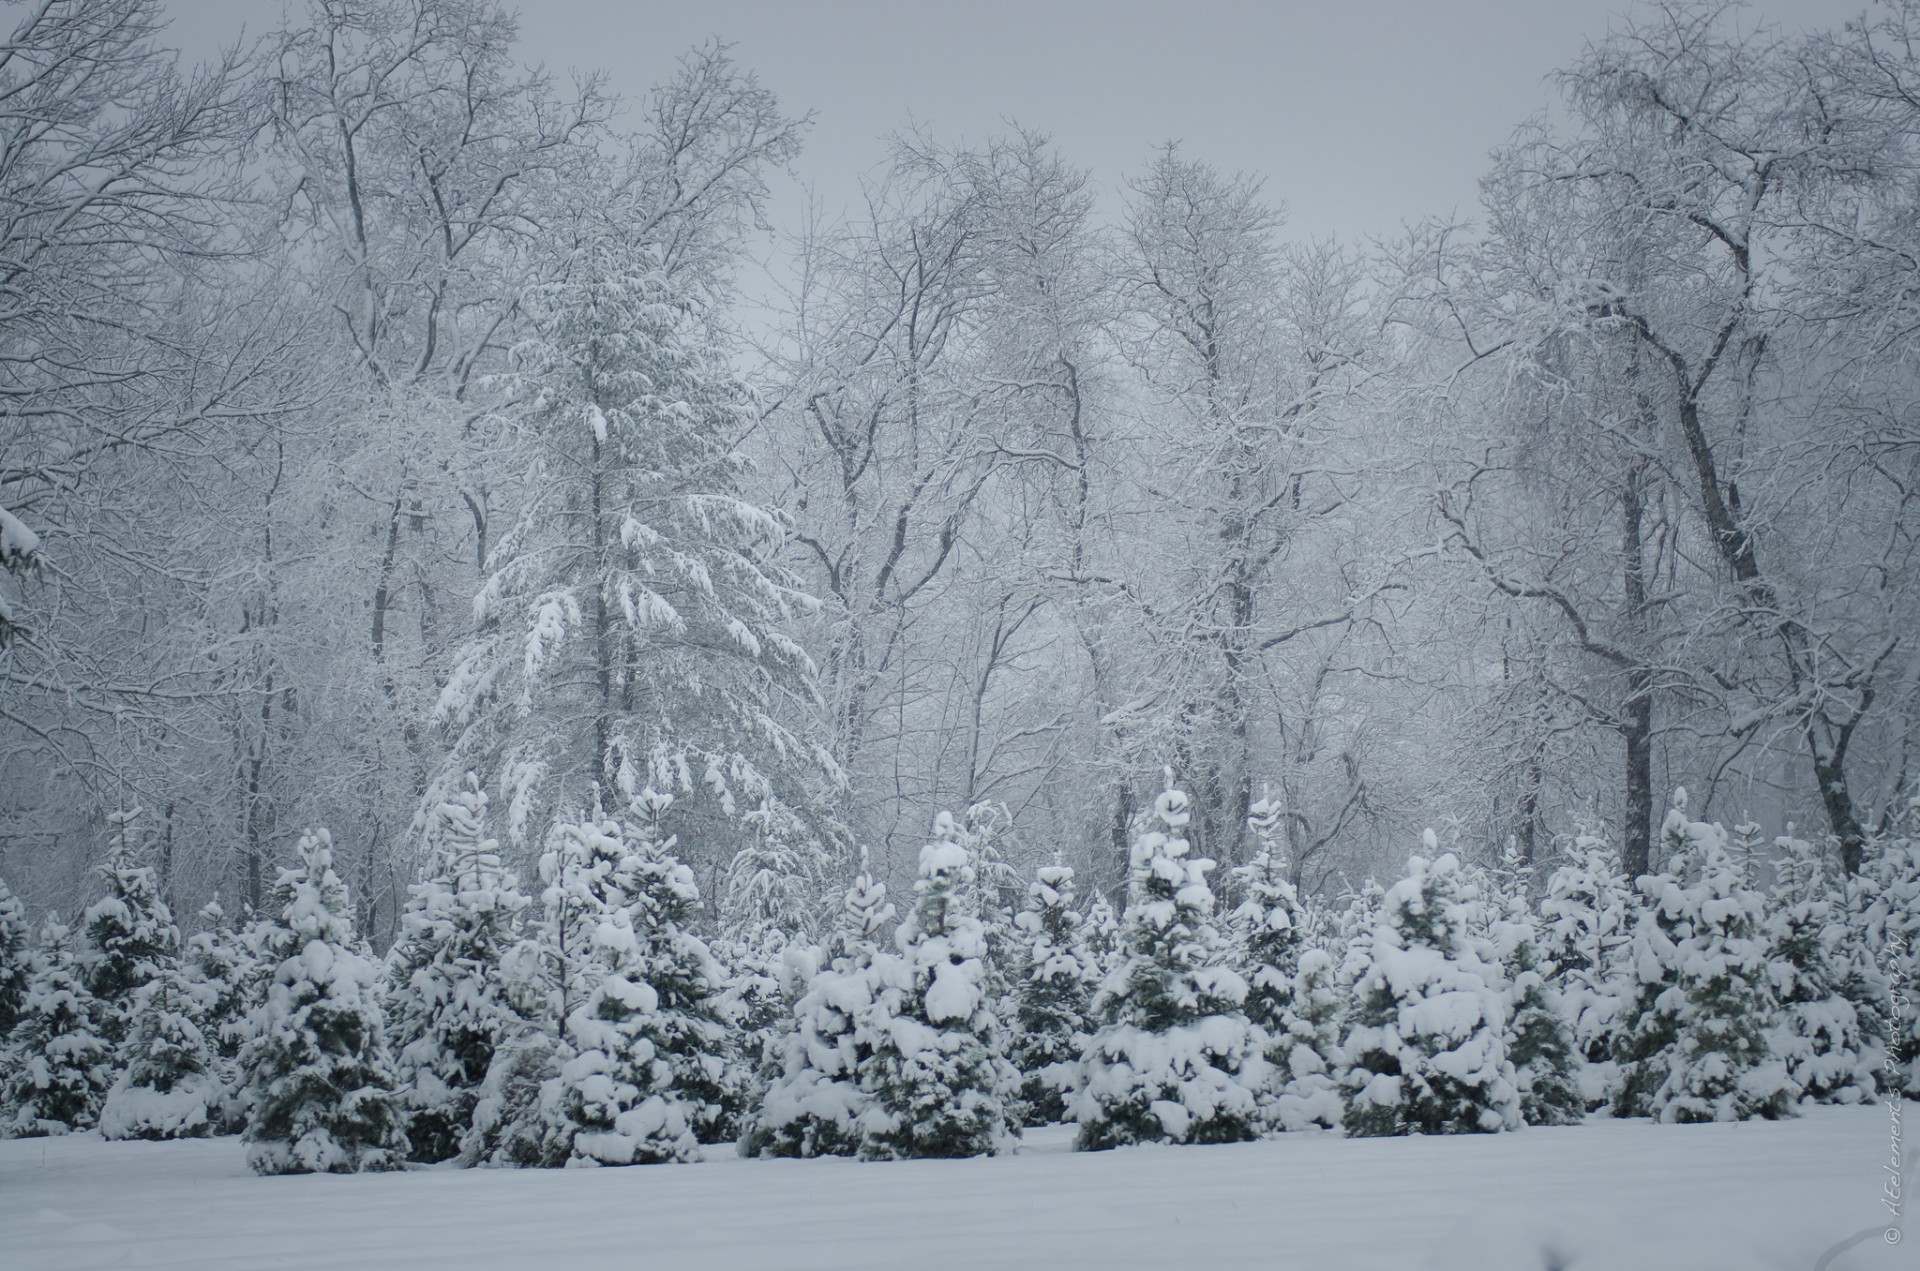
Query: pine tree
[1174,1058]
[130,938]
[938,1079]
[632,620]
[169,1085]
[57,1063]
[220,966]
[813,1104]
[1829,1052]
[1102,928]
[1267,939]
[995,895]
[1546,1065]
[320,1080]
[1304,1088]
[446,1005]
[648,1077]
[1720,1066]
[1884,932]
[1426,1047]
[1586,927]
[1052,996]
[15,959]
[1652,999]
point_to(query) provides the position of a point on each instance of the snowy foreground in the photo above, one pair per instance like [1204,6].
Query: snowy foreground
[1630,1196]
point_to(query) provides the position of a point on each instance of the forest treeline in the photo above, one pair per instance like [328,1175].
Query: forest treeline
[376,411]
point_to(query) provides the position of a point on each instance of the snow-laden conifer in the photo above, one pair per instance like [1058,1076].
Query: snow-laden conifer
[320,1080]
[15,958]
[129,934]
[1546,1065]
[1303,1088]
[937,1078]
[1053,992]
[1426,1047]
[1830,1052]
[632,623]
[169,1084]
[220,969]
[813,1104]
[57,1063]
[1586,926]
[447,1007]
[1174,1058]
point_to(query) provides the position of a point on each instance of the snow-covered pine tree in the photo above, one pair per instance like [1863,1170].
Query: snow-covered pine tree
[1720,1066]
[1829,1053]
[220,966]
[130,937]
[1651,999]
[57,1064]
[1358,920]
[1304,1090]
[632,622]
[1102,928]
[169,1086]
[1546,1065]
[1586,927]
[1266,939]
[996,893]
[648,1079]
[320,1080]
[1174,1058]
[938,1080]
[1052,993]
[447,1008]
[1426,1048]
[813,1104]
[1883,906]
[15,958]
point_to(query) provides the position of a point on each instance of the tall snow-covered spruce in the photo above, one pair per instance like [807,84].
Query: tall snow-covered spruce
[1174,1058]
[1053,991]
[130,938]
[447,1007]
[320,1081]
[938,1078]
[57,1063]
[1426,1046]
[632,621]
[812,1104]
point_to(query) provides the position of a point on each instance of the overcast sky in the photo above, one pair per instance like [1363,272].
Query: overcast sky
[1360,114]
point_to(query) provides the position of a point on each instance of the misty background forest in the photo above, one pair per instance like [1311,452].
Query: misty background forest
[378,410]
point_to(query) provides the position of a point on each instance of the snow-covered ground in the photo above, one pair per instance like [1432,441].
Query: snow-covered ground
[1625,1196]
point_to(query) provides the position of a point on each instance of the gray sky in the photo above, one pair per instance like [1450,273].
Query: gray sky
[1360,114]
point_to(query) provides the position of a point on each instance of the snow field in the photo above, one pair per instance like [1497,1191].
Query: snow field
[1604,1196]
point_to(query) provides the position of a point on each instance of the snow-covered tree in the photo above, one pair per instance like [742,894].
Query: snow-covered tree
[1303,1089]
[1053,991]
[632,622]
[57,1063]
[15,955]
[129,932]
[649,1075]
[1821,1036]
[222,970]
[937,1079]
[320,1080]
[1426,1046]
[1884,908]
[169,1086]
[1546,1065]
[1696,1047]
[1267,939]
[447,1008]
[813,1104]
[1586,924]
[1102,927]
[1174,1058]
